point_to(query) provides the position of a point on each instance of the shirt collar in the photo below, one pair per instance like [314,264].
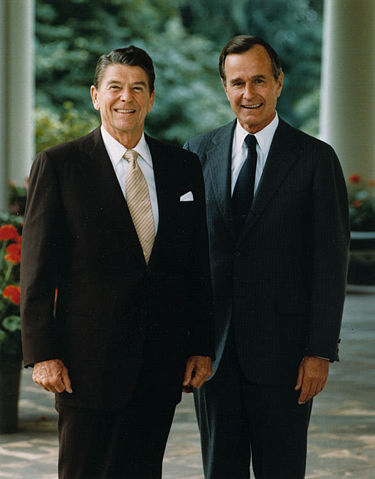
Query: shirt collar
[116,150]
[264,137]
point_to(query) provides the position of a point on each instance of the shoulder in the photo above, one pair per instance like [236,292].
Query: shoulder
[202,142]
[72,148]
[289,134]
[168,151]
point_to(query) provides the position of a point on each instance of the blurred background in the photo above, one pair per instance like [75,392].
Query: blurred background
[49,49]
[48,53]
[184,38]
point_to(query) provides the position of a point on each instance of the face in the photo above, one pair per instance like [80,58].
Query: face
[123,99]
[251,88]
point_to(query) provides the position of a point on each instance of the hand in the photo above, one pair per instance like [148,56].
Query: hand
[198,370]
[52,375]
[312,377]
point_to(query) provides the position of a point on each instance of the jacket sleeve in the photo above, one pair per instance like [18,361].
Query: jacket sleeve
[40,244]
[331,238]
[198,275]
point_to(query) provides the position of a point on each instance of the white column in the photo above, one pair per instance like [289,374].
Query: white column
[347,119]
[17,91]
[21,88]
[3,114]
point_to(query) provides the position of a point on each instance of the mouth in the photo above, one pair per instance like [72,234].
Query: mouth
[123,111]
[252,107]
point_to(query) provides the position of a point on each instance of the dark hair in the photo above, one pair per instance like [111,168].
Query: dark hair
[132,56]
[243,43]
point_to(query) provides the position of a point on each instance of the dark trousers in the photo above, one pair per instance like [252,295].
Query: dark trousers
[126,444]
[241,422]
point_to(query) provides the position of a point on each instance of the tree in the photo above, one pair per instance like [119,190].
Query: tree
[72,35]
[185,46]
[292,27]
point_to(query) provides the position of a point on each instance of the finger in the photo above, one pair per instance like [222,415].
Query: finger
[187,389]
[200,377]
[66,381]
[305,392]
[197,381]
[299,379]
[188,373]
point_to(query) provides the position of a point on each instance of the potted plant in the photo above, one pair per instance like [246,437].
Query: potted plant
[10,334]
[361,196]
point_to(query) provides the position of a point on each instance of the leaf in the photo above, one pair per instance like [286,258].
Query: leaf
[3,336]
[12,323]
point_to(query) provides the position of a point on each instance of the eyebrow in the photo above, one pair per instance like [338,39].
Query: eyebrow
[118,82]
[239,79]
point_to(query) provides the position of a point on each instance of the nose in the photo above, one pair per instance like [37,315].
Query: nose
[125,94]
[248,91]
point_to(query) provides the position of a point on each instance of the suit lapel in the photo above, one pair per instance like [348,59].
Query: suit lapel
[218,176]
[105,192]
[283,153]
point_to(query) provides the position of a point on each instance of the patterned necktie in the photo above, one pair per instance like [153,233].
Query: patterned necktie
[243,193]
[139,204]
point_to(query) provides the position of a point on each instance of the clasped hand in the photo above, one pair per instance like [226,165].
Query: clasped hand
[198,370]
[312,377]
[52,375]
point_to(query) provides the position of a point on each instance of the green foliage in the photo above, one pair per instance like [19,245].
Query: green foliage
[12,324]
[67,124]
[292,27]
[184,39]
[17,200]
[361,203]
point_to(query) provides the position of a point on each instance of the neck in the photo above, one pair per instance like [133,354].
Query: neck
[127,139]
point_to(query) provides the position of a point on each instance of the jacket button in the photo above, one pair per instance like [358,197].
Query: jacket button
[237,253]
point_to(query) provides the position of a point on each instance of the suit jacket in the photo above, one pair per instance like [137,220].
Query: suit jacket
[282,281]
[113,309]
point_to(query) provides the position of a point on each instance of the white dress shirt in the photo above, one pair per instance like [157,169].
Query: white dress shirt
[239,150]
[116,152]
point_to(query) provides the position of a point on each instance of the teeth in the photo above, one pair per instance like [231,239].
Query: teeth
[251,107]
[125,111]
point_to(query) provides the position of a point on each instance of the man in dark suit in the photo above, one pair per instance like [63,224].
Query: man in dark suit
[278,236]
[131,326]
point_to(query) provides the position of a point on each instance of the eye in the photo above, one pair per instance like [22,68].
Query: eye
[259,81]
[138,88]
[113,87]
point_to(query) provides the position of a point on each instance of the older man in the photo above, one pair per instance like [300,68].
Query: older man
[278,234]
[115,222]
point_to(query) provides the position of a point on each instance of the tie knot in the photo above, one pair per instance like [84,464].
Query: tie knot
[251,141]
[131,156]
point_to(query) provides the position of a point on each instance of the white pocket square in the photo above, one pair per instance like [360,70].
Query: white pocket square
[187,196]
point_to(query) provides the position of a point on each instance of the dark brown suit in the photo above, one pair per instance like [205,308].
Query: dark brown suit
[113,310]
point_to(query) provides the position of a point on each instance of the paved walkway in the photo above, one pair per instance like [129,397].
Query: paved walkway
[342,430]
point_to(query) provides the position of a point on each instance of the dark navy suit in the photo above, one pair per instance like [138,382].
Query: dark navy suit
[279,289]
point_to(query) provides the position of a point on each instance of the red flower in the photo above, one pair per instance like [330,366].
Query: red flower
[14,253]
[357,204]
[8,232]
[354,178]
[13,293]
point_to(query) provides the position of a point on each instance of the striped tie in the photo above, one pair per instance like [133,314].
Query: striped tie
[139,204]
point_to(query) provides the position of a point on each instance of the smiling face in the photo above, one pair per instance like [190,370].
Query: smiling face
[123,98]
[251,87]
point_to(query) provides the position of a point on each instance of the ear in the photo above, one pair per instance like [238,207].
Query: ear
[151,101]
[94,97]
[224,85]
[280,82]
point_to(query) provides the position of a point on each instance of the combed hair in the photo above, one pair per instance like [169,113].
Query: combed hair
[132,56]
[243,43]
